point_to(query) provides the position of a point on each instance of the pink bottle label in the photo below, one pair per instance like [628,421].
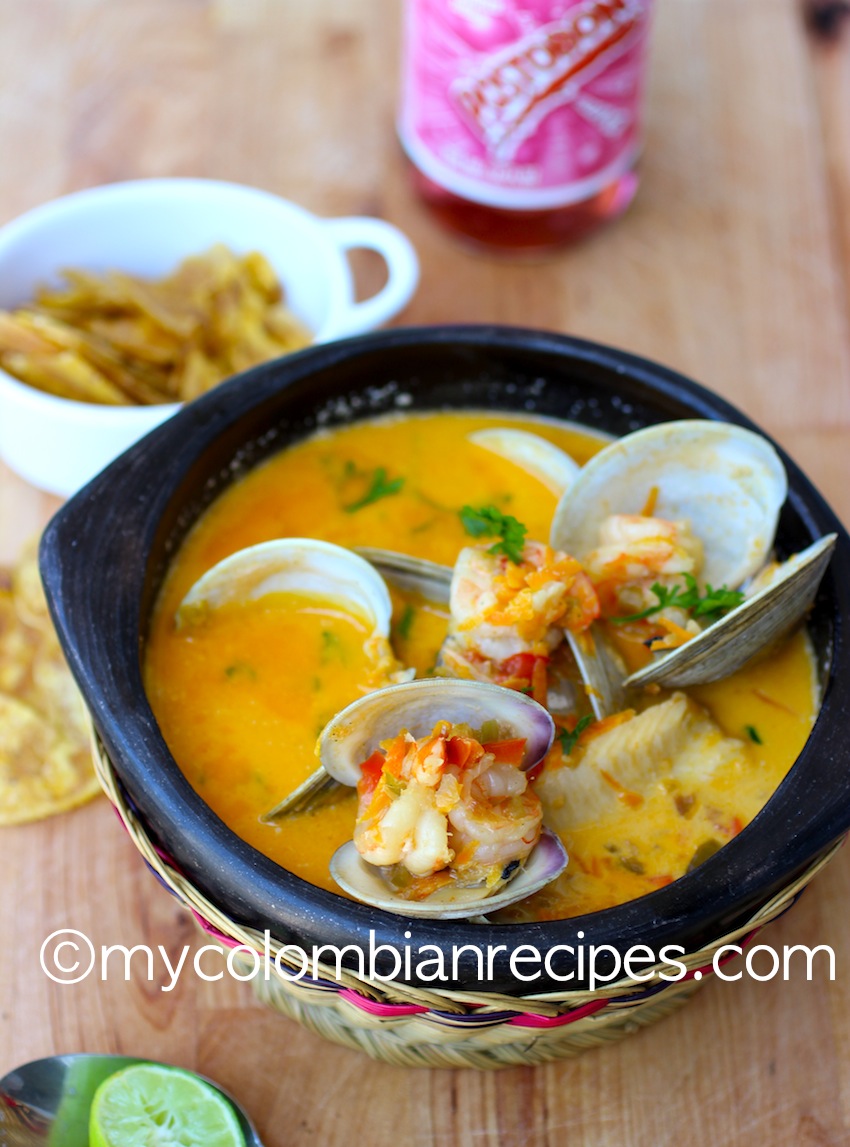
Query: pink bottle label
[523,104]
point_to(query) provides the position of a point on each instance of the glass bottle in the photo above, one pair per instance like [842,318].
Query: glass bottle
[521,118]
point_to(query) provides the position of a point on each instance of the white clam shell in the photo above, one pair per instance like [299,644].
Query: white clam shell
[353,735]
[293,565]
[541,458]
[728,482]
[365,882]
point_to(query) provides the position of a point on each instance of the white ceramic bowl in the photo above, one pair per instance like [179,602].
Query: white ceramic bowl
[146,227]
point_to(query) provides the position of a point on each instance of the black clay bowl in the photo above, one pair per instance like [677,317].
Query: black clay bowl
[105,552]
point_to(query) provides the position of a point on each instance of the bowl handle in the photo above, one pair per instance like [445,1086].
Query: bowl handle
[402,270]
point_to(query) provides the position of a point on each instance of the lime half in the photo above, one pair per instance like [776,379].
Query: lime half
[151,1105]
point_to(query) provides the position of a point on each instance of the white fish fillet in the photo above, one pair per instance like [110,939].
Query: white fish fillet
[676,738]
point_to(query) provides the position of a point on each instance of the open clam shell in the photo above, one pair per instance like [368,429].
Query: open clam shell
[365,882]
[729,483]
[292,565]
[414,574]
[600,672]
[353,735]
[728,644]
[542,459]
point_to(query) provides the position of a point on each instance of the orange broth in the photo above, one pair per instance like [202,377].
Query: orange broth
[241,703]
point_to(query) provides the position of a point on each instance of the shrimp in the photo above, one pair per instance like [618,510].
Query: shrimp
[505,615]
[635,553]
[496,823]
[447,804]
[634,548]
[411,831]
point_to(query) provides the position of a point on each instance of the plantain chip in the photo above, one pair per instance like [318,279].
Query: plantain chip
[54,694]
[18,646]
[27,590]
[45,754]
[135,378]
[63,374]
[42,771]
[118,339]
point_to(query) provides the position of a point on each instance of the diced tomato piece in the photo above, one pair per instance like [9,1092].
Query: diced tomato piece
[370,774]
[462,751]
[507,752]
[520,665]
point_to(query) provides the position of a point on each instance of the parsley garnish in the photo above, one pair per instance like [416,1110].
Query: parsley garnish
[331,646]
[488,521]
[405,622]
[753,734]
[714,602]
[380,488]
[569,737]
[710,605]
[665,597]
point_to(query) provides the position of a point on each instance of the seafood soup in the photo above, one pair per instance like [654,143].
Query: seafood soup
[578,635]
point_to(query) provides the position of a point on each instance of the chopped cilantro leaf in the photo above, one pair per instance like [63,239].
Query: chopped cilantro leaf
[569,737]
[753,734]
[665,597]
[711,605]
[379,488]
[405,622]
[715,601]
[488,521]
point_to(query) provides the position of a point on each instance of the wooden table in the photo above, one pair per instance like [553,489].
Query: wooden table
[733,266]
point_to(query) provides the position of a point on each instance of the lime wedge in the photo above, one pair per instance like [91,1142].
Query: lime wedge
[84,1075]
[151,1105]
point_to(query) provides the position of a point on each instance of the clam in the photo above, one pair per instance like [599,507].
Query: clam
[600,672]
[541,458]
[354,734]
[729,484]
[366,883]
[753,626]
[294,565]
